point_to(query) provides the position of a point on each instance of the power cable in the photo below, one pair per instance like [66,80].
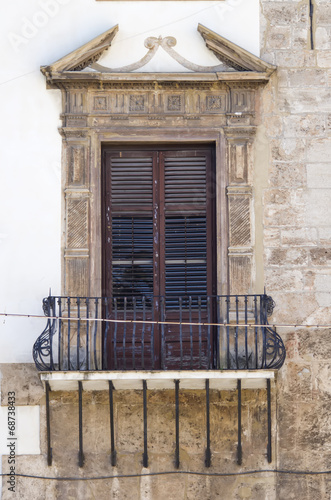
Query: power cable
[187,323]
[192,473]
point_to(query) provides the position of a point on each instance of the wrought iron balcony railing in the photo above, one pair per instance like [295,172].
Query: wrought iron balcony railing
[226,332]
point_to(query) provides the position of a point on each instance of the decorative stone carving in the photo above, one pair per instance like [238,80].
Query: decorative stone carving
[204,104]
[84,56]
[214,102]
[232,55]
[77,223]
[174,103]
[137,103]
[100,103]
[242,101]
[76,102]
[240,270]
[76,165]
[238,162]
[76,281]
[152,44]
[239,220]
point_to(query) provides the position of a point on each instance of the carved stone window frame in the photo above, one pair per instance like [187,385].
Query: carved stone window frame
[137,108]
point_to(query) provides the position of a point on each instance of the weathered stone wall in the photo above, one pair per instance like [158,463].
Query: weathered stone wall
[128,414]
[297,213]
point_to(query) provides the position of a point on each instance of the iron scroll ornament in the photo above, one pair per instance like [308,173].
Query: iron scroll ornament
[42,349]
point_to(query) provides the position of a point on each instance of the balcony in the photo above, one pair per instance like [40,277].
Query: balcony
[148,343]
[224,332]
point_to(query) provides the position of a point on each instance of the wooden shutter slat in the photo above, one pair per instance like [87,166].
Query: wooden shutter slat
[132,255]
[185,255]
[131,182]
[184,180]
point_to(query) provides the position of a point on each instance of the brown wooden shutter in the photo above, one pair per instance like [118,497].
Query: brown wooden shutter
[131,182]
[185,182]
[131,223]
[159,222]
[185,232]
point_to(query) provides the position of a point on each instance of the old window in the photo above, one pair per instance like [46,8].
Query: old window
[159,240]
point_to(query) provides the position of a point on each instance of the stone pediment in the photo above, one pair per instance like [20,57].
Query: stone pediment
[236,63]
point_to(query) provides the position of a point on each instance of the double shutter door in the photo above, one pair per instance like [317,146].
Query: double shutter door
[158,255]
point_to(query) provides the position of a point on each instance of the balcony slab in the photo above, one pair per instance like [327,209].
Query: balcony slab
[157,380]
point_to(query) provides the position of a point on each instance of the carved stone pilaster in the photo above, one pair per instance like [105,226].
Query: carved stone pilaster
[76,102]
[239,201]
[240,251]
[76,253]
[240,271]
[77,210]
[76,220]
[240,194]
[76,281]
[76,165]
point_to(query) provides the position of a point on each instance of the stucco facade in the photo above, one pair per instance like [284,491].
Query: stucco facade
[271,135]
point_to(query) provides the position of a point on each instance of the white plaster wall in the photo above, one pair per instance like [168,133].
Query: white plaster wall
[38,32]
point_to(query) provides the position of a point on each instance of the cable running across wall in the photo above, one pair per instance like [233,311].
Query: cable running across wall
[165,473]
[273,325]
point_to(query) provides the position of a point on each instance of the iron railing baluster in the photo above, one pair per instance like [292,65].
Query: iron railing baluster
[200,332]
[262,318]
[208,332]
[191,331]
[143,334]
[246,333]
[218,338]
[181,331]
[105,335]
[78,334]
[60,340]
[124,331]
[115,333]
[237,333]
[96,317]
[228,366]
[69,357]
[134,303]
[87,303]
[163,349]
[256,333]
